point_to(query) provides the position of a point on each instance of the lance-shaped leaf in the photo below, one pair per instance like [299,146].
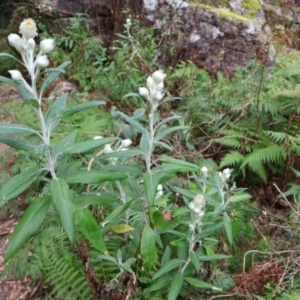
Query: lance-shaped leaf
[94,177]
[148,248]
[63,143]
[7,80]
[117,212]
[88,145]
[176,286]
[134,123]
[150,183]
[63,202]
[167,267]
[228,227]
[200,284]
[16,129]
[18,184]
[73,110]
[53,117]
[53,74]
[161,135]
[28,225]
[174,164]
[91,229]
[17,143]
[9,56]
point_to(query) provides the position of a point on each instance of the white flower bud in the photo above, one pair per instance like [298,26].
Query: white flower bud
[159,187]
[31,44]
[143,92]
[158,96]
[227,173]
[197,210]
[47,45]
[204,171]
[201,214]
[42,61]
[159,86]
[98,137]
[107,149]
[126,143]
[150,82]
[16,41]
[191,206]
[199,201]
[28,28]
[158,76]
[16,75]
[128,22]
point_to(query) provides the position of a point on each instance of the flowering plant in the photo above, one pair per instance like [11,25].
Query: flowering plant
[59,193]
[143,230]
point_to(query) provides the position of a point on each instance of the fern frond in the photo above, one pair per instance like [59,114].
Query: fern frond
[229,142]
[232,158]
[271,154]
[258,168]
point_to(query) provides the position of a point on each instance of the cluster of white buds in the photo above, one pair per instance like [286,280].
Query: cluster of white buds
[25,45]
[108,149]
[155,84]
[225,174]
[127,24]
[159,191]
[197,206]
[204,171]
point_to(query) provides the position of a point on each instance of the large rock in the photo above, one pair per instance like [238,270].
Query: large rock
[217,36]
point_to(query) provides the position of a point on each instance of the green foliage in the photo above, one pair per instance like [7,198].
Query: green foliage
[254,116]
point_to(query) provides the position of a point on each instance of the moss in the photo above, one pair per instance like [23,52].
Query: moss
[224,13]
[252,5]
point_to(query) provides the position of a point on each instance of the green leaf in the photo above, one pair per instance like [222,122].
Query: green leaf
[88,145]
[168,131]
[167,267]
[148,248]
[228,229]
[80,107]
[117,212]
[195,260]
[124,154]
[17,144]
[200,284]
[94,177]
[137,125]
[28,225]
[66,170]
[10,56]
[213,257]
[18,184]
[25,92]
[158,285]
[62,200]
[63,143]
[179,242]
[121,228]
[91,229]
[32,102]
[54,73]
[176,286]
[181,165]
[103,199]
[16,129]
[7,80]
[158,220]
[150,184]
[238,198]
[53,116]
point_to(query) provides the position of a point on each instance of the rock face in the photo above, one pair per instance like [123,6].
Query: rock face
[217,36]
